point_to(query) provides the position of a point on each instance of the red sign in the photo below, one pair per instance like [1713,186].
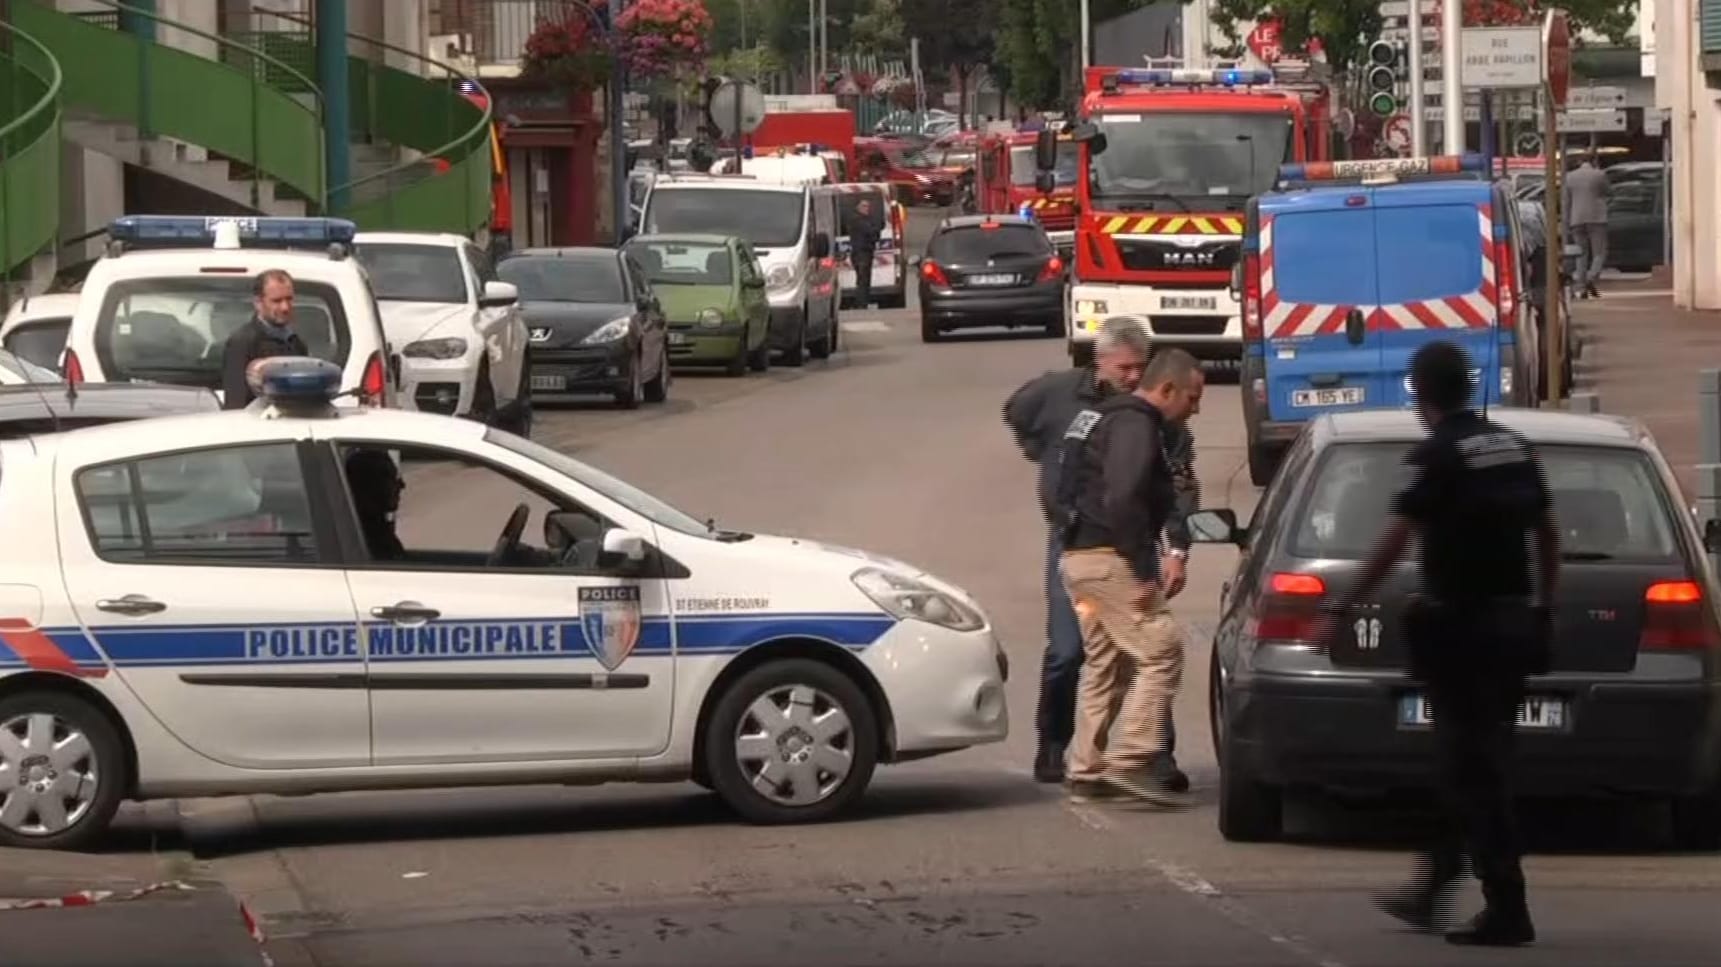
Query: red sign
[1557,55]
[1267,41]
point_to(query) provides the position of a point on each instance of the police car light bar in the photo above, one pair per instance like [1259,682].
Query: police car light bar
[294,380]
[180,231]
[1225,77]
[1446,164]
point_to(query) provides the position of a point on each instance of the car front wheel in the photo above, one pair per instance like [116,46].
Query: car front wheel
[62,771]
[792,741]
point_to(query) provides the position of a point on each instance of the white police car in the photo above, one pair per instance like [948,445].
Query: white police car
[159,306]
[221,604]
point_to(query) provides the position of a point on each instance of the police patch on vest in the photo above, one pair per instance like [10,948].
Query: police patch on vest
[610,621]
[1082,425]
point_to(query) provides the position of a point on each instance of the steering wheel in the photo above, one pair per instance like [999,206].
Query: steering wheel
[510,537]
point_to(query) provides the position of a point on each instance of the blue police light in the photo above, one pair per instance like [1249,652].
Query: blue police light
[181,231]
[294,379]
[1225,77]
[1025,212]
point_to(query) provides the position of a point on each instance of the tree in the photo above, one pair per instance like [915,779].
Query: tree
[878,29]
[1038,40]
[954,34]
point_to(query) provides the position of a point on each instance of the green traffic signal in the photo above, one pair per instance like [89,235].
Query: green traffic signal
[1383,104]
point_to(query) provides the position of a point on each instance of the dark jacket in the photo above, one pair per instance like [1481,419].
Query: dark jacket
[1041,410]
[864,231]
[247,343]
[1125,491]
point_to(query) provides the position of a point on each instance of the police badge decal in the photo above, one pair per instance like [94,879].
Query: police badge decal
[610,620]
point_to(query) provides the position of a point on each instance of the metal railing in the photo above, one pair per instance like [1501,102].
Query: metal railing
[499,28]
[29,151]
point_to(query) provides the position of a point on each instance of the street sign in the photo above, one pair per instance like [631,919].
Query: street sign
[1398,35]
[737,108]
[1401,8]
[1473,112]
[1557,55]
[1396,133]
[1590,98]
[1604,121]
[1502,56]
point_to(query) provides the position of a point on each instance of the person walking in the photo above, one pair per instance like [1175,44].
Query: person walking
[268,333]
[1477,502]
[1584,199]
[1037,414]
[864,233]
[1116,492]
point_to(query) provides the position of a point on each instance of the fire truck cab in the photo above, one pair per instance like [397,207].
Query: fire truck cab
[1168,161]
[1006,179]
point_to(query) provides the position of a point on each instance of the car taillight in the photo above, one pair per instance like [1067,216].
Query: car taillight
[1505,283]
[1053,271]
[1252,297]
[73,368]
[934,273]
[373,382]
[1290,608]
[1676,618]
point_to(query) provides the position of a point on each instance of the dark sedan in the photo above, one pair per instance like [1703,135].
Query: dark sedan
[1627,710]
[981,271]
[594,324]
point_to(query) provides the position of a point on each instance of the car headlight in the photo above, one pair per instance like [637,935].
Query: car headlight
[452,347]
[1091,307]
[608,332]
[711,318]
[781,277]
[904,597]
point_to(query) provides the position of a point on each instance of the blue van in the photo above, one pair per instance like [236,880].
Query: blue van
[1351,266]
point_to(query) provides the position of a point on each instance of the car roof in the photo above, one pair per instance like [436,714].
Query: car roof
[1553,427]
[975,221]
[566,251]
[688,237]
[1323,196]
[49,306]
[442,239]
[117,401]
[383,424]
[725,184]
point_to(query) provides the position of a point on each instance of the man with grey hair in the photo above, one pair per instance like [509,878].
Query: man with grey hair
[1038,414]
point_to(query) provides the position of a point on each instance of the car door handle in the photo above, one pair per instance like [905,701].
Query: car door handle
[131,604]
[406,612]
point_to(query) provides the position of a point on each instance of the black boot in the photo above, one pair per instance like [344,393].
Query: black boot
[1049,763]
[1418,905]
[1496,927]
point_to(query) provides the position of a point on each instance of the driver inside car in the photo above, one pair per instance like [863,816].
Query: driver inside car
[376,488]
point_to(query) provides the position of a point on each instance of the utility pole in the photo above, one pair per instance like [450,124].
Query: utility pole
[812,47]
[1418,112]
[1451,82]
[1087,38]
[824,39]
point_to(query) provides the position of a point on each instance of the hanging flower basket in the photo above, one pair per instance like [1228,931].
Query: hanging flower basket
[571,53]
[665,38]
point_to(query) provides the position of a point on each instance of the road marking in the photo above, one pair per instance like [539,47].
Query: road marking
[866,325]
[1195,885]
[1638,294]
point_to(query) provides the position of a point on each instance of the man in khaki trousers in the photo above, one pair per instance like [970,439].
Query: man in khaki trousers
[1116,493]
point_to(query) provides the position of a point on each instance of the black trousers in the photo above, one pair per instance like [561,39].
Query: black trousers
[1475,720]
[861,259]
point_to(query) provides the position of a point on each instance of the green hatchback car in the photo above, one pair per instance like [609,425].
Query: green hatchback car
[713,296]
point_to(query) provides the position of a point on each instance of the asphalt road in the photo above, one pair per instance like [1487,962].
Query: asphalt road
[897,447]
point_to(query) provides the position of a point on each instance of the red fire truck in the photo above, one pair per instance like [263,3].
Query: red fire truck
[1005,180]
[1169,159]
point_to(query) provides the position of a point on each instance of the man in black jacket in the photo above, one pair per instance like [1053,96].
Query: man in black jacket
[1038,414]
[1116,492]
[269,333]
[864,231]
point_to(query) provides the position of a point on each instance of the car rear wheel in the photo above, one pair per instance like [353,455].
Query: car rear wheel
[1250,811]
[929,331]
[737,364]
[1054,328]
[1263,460]
[1697,822]
[62,771]
[792,741]
[629,396]
[759,360]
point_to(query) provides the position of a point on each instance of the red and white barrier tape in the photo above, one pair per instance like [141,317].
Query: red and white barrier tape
[89,898]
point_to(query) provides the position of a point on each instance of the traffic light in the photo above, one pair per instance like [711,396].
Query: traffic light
[1381,80]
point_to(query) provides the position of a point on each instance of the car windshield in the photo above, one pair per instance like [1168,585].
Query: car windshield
[958,158]
[960,246]
[568,278]
[913,158]
[1608,502]
[768,219]
[413,273]
[174,330]
[683,263]
[1022,168]
[620,491]
[41,341]
[17,371]
[1188,156]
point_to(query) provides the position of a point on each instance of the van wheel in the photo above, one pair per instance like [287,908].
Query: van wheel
[62,771]
[796,354]
[1263,460]
[792,741]
[826,344]
[1697,823]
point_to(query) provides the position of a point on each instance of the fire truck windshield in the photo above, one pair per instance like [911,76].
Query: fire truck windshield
[1022,164]
[1181,157]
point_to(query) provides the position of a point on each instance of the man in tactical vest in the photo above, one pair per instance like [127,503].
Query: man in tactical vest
[1116,492]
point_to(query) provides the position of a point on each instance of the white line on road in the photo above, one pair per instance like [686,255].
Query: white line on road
[1194,884]
[866,325]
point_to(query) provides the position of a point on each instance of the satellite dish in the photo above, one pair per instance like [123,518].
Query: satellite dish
[737,96]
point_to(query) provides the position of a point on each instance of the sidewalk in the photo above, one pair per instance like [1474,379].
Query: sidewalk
[1642,357]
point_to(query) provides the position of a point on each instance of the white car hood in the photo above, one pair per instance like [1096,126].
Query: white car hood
[778,547]
[409,322]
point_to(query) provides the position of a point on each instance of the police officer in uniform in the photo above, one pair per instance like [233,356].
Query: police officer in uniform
[1490,555]
[864,233]
[269,333]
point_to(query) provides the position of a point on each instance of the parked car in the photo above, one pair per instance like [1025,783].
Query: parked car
[990,270]
[712,290]
[594,324]
[36,327]
[912,174]
[27,410]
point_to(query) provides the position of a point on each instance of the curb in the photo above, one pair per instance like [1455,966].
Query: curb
[90,898]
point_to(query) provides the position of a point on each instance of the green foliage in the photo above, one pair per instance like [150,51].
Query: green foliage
[878,29]
[754,62]
[953,33]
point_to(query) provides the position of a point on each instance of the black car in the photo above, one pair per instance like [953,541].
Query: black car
[593,322]
[29,410]
[1627,710]
[981,271]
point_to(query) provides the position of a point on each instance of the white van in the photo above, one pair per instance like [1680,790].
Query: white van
[789,169]
[792,229]
[889,260]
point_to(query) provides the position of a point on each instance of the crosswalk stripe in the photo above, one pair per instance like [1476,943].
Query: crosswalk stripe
[865,325]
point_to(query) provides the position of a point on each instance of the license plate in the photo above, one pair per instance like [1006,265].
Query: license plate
[549,382]
[1542,713]
[1343,396]
[991,280]
[1200,303]
[678,339]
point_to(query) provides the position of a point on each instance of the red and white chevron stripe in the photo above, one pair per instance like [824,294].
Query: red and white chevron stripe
[1472,310]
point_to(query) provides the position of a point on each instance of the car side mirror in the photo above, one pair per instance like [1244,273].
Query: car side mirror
[1046,150]
[1217,526]
[821,246]
[621,547]
[1045,182]
[1712,535]
[498,295]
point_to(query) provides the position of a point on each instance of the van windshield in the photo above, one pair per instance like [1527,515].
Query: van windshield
[1022,170]
[768,219]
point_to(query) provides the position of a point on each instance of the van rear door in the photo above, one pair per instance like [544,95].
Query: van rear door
[1318,289]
